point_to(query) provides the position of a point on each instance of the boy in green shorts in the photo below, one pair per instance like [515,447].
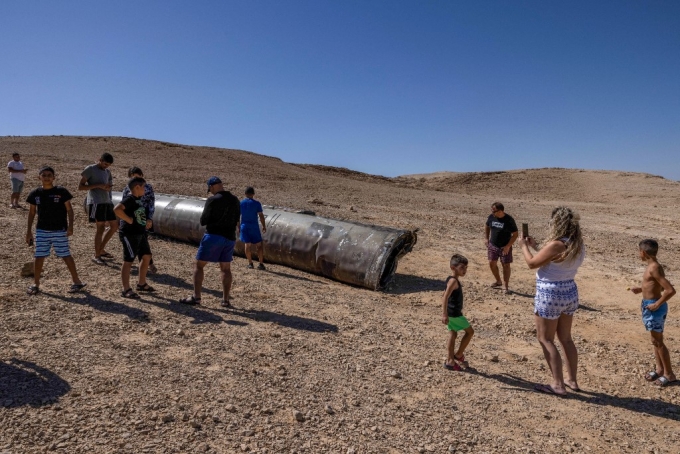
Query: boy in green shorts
[452,316]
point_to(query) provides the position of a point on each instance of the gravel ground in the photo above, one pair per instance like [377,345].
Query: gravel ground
[303,364]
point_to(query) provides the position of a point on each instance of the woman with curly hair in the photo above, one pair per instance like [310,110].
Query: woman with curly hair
[556,298]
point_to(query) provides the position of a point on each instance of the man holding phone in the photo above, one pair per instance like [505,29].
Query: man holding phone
[501,233]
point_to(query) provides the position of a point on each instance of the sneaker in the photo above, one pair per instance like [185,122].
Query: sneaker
[261,267]
[250,266]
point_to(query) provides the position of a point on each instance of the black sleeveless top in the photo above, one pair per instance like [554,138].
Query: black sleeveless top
[454,307]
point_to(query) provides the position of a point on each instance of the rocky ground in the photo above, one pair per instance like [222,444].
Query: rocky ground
[307,365]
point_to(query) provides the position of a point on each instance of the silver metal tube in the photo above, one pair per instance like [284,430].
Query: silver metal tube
[350,252]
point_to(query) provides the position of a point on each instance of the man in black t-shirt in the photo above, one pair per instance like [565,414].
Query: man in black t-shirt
[52,204]
[220,217]
[501,233]
[132,232]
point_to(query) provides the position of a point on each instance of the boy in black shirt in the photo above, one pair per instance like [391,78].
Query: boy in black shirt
[132,231]
[452,316]
[55,225]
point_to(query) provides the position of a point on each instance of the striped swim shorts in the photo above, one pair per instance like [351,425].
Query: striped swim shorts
[46,239]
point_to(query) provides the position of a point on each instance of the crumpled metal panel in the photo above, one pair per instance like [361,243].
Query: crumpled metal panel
[350,252]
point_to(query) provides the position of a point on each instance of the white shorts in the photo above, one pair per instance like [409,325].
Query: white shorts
[555,298]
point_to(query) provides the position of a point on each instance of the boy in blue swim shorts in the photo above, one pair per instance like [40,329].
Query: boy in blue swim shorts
[250,235]
[452,315]
[52,205]
[656,291]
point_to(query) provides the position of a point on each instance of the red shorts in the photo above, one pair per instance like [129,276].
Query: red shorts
[494,253]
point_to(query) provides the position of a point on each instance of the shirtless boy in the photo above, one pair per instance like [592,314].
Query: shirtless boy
[656,291]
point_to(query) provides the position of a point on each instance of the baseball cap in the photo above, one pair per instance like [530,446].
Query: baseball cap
[212,181]
[250,190]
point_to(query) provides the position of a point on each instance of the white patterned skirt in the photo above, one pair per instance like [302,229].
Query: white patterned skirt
[554,298]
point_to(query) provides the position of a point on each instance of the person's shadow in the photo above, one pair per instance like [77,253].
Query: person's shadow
[198,315]
[25,383]
[111,307]
[405,283]
[288,321]
[653,407]
[174,281]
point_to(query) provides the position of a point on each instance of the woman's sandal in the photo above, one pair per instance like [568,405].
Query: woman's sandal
[106,255]
[129,294]
[145,288]
[191,301]
[33,290]
[652,376]
[76,288]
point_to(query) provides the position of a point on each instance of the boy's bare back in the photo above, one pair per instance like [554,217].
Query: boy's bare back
[651,288]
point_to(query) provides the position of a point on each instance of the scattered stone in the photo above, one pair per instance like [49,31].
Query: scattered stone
[28,270]
[230,408]
[329,410]
[395,374]
[298,416]
[180,332]
[196,424]
[168,418]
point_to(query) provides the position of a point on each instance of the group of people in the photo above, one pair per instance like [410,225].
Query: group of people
[223,217]
[556,262]
[556,298]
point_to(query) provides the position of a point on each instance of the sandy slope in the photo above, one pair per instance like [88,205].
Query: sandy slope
[97,373]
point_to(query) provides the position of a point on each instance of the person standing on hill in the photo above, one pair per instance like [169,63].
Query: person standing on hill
[251,209]
[501,233]
[220,217]
[97,181]
[17,175]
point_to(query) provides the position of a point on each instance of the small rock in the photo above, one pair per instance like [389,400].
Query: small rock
[298,416]
[168,418]
[180,332]
[28,270]
[230,408]
[395,374]
[196,424]
[329,410]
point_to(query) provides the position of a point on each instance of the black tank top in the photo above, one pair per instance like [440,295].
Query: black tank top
[454,307]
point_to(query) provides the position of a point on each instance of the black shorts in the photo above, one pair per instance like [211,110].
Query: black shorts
[101,212]
[133,246]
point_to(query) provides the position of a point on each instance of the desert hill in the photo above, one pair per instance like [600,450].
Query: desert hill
[94,372]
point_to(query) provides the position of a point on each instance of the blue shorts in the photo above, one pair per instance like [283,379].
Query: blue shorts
[215,248]
[46,239]
[250,233]
[654,320]
[17,185]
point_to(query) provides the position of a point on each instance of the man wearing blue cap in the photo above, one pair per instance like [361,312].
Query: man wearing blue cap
[220,217]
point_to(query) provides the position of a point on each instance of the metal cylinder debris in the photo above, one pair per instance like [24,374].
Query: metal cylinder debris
[349,252]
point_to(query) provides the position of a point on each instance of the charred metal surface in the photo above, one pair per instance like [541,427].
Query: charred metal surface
[350,252]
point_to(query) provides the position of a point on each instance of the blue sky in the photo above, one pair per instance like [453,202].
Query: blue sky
[385,87]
